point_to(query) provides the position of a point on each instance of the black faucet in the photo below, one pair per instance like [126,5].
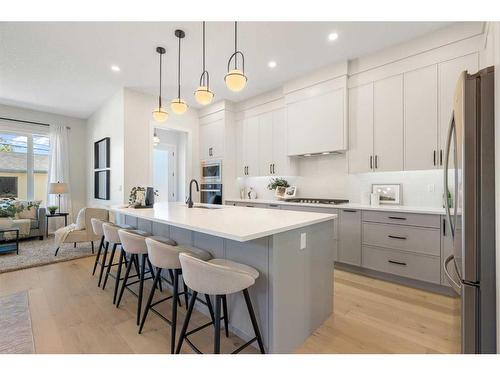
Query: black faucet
[190,199]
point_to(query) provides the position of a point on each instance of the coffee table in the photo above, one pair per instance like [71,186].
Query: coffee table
[8,246]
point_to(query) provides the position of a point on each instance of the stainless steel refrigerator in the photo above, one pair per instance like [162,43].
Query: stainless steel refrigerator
[469,175]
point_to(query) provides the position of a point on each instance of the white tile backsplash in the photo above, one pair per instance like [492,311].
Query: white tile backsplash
[326,176]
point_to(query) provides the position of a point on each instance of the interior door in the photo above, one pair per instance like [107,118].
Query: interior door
[360,152]
[388,124]
[421,115]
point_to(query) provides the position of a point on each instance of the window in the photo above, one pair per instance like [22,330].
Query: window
[24,164]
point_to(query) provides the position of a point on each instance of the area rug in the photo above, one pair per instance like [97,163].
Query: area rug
[34,253]
[16,336]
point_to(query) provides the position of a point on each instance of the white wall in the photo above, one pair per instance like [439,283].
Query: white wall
[77,149]
[107,121]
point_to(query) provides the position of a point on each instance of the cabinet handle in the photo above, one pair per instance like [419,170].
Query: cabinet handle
[434,157]
[270,168]
[346,210]
[371,162]
[396,237]
[397,218]
[210,151]
[248,168]
[376,161]
[274,171]
[444,227]
[440,157]
[273,205]
[398,263]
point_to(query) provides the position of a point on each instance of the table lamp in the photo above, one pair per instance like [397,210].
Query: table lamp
[58,188]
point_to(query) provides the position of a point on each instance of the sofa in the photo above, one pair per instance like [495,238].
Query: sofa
[32,217]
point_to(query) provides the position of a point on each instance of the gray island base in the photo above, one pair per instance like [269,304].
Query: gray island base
[294,292]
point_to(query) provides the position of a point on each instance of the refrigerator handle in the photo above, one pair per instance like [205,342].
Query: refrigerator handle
[456,286]
[445,173]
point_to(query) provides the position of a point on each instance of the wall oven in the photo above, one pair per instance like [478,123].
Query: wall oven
[211,172]
[211,193]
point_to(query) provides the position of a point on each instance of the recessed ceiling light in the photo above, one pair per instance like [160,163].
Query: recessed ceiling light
[115,68]
[272,64]
[333,36]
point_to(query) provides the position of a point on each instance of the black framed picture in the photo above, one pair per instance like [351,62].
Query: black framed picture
[101,184]
[101,153]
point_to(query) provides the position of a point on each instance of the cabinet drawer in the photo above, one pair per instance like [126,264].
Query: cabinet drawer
[415,239]
[413,266]
[421,220]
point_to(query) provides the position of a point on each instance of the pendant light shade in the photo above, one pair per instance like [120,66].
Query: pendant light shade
[159,114]
[203,95]
[178,105]
[236,79]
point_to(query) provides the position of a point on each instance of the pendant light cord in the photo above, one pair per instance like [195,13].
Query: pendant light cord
[203,48]
[235,44]
[159,98]
[179,72]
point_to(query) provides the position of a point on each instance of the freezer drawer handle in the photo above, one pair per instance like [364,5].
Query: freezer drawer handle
[397,218]
[396,237]
[349,210]
[456,286]
[398,263]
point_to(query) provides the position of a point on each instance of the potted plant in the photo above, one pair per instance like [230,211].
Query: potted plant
[52,209]
[277,182]
[7,212]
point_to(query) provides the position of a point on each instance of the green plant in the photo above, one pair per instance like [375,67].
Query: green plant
[52,209]
[8,209]
[277,182]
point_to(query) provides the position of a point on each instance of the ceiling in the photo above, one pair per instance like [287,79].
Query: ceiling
[64,67]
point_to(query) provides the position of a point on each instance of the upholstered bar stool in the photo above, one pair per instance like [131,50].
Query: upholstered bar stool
[97,228]
[164,255]
[134,244]
[218,277]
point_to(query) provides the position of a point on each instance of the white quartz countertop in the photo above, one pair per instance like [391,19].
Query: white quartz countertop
[231,222]
[354,206]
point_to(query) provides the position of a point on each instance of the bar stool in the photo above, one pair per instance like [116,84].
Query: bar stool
[134,244]
[164,255]
[97,228]
[218,277]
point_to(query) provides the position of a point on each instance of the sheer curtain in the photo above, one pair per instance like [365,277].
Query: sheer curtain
[59,168]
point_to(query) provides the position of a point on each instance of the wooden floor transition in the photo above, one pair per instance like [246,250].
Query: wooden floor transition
[71,315]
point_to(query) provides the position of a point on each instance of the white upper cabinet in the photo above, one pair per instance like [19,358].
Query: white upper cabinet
[240,157]
[212,140]
[360,154]
[421,117]
[448,73]
[282,164]
[265,143]
[251,146]
[388,124]
[316,118]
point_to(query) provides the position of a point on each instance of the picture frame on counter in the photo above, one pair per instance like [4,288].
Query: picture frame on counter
[282,192]
[390,194]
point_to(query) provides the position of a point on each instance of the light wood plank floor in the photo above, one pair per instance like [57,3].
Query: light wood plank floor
[71,315]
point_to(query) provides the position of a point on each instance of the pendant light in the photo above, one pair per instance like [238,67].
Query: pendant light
[159,114]
[178,105]
[203,95]
[236,79]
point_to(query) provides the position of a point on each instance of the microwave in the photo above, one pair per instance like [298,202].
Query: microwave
[211,172]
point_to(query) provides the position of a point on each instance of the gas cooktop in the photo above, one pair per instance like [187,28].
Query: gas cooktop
[318,200]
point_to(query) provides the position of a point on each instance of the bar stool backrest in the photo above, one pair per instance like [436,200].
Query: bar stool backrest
[132,243]
[164,253]
[208,278]
[111,232]
[97,226]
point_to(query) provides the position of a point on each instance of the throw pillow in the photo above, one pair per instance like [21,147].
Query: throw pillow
[80,220]
[30,209]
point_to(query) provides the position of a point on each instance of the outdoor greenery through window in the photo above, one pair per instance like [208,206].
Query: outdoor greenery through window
[24,163]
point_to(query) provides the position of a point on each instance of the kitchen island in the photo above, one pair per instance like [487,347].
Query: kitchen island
[293,252]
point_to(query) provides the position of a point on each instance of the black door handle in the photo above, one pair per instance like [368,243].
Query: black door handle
[398,263]
[396,237]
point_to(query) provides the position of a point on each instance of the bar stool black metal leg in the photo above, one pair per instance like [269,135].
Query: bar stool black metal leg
[186,322]
[92,243]
[210,309]
[141,288]
[171,273]
[110,264]
[118,274]
[174,311]
[217,325]
[226,319]
[150,299]
[153,275]
[186,296]
[103,263]
[98,255]
[254,321]
[125,279]
[136,265]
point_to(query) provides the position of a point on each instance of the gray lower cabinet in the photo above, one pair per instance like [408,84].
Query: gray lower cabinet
[350,237]
[446,248]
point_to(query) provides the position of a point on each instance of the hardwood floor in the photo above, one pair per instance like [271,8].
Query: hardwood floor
[71,315]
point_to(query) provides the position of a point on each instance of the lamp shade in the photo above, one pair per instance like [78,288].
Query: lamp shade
[58,188]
